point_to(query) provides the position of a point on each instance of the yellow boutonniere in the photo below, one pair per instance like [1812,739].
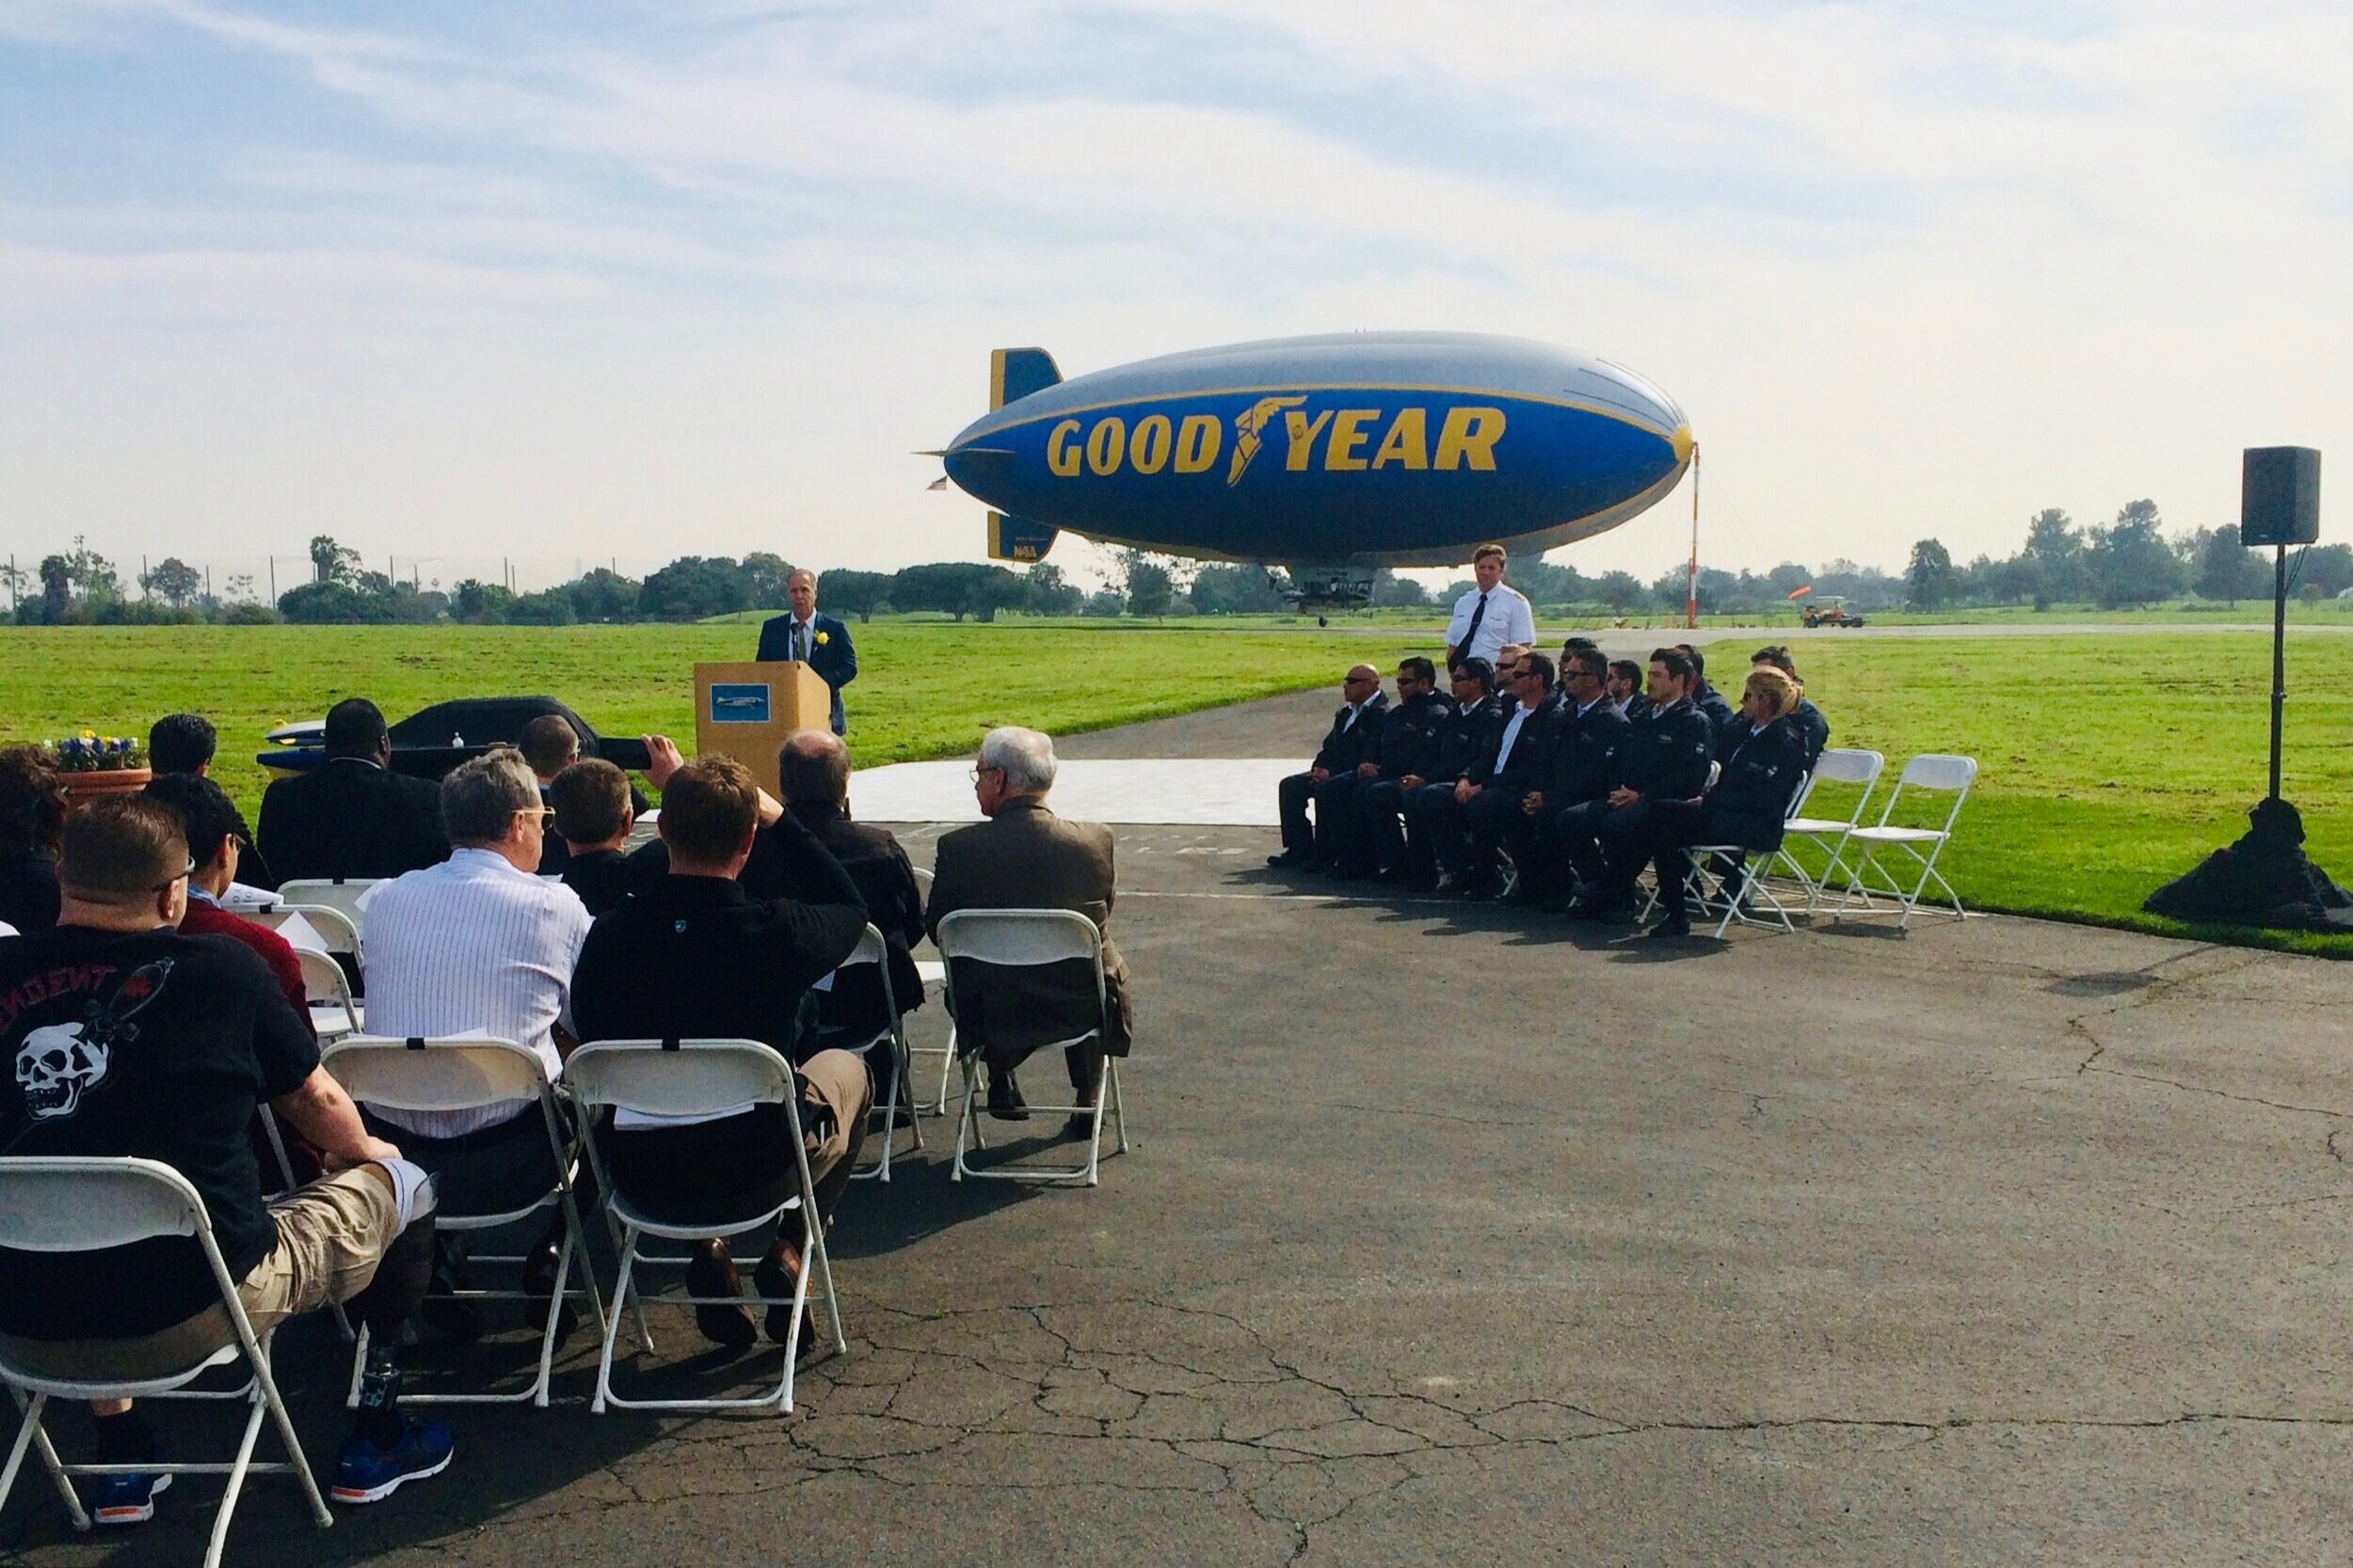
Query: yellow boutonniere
[822,638]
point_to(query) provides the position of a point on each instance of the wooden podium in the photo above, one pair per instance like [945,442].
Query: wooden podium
[745,711]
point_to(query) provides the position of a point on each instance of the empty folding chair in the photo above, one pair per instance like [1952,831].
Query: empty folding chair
[468,1074]
[66,1204]
[684,1080]
[898,1083]
[333,1014]
[935,972]
[1926,772]
[1828,834]
[347,896]
[1024,938]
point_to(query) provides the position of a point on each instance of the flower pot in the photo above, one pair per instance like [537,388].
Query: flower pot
[83,787]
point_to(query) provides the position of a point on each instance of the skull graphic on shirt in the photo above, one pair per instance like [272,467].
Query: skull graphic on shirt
[55,1067]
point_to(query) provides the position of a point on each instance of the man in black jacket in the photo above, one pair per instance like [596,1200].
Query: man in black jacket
[695,958]
[1666,756]
[352,816]
[1582,764]
[1492,794]
[1432,815]
[1763,765]
[814,773]
[1355,737]
[1372,840]
[1706,698]
[1804,718]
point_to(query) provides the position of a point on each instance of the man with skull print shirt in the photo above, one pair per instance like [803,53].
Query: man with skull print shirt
[126,1037]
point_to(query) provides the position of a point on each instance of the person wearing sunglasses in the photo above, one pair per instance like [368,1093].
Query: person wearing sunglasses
[1492,796]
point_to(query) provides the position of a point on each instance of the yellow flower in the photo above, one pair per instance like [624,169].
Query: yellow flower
[822,638]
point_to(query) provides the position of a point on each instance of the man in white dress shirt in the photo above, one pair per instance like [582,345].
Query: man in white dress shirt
[1489,616]
[478,945]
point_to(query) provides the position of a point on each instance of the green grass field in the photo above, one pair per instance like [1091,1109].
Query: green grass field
[2109,763]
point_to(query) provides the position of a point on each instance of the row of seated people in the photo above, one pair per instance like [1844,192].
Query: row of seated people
[349,818]
[148,1021]
[1566,770]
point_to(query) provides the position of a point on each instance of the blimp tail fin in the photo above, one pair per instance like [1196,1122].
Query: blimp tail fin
[1018,538]
[1015,372]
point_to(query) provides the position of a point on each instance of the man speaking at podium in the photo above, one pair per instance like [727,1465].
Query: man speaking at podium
[818,641]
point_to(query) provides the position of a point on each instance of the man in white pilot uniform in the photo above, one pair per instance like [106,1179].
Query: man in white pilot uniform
[1489,615]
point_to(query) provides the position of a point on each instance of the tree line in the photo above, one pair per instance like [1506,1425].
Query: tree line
[2128,562]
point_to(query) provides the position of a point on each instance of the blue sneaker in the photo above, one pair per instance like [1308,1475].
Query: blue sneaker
[126,1500]
[367,1474]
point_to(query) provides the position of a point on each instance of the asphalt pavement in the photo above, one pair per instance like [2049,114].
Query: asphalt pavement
[1451,1236]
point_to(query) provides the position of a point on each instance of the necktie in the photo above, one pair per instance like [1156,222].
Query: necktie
[1478,615]
[800,637]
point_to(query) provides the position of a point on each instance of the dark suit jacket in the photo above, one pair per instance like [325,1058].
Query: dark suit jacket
[1720,711]
[834,660]
[349,818]
[1026,858]
[1667,753]
[1584,763]
[1762,770]
[1813,727]
[1343,749]
[1411,733]
[885,879]
[1524,769]
[1466,738]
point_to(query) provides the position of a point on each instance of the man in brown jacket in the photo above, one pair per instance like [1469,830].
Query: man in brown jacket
[1026,858]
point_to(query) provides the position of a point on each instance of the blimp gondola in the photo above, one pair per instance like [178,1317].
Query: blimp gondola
[1330,456]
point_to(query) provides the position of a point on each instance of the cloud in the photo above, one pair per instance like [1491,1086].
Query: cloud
[1913,269]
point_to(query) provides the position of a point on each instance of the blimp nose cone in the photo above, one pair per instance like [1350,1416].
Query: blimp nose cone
[1682,443]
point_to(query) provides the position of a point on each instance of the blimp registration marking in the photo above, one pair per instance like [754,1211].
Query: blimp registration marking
[1466,438]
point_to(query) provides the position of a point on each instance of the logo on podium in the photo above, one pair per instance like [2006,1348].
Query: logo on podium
[742,703]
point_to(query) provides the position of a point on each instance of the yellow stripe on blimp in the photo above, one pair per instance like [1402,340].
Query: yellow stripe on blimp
[1646,426]
[996,379]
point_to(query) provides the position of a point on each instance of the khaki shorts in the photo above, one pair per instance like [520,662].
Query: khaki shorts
[331,1235]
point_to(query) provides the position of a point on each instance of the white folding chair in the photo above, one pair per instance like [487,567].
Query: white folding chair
[468,1073]
[86,1204]
[1828,834]
[873,950]
[347,896]
[1022,938]
[333,1014]
[1740,871]
[320,927]
[1928,772]
[695,1079]
[932,971]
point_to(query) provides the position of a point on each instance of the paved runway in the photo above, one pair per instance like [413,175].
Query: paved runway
[1454,1238]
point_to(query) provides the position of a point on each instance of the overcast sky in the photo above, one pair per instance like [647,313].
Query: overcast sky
[604,278]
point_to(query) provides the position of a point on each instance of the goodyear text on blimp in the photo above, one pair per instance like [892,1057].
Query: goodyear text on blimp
[1336,439]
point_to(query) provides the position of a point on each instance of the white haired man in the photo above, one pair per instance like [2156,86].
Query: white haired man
[821,642]
[1024,857]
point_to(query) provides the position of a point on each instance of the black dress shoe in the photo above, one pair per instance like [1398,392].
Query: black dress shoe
[1288,860]
[776,1277]
[1590,909]
[1004,1096]
[711,1272]
[1668,929]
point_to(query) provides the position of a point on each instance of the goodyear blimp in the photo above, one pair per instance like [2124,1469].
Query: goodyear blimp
[1328,455]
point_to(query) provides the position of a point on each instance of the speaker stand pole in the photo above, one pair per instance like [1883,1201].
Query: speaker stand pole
[2279,655]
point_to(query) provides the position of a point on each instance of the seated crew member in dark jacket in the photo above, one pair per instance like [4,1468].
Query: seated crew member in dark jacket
[352,816]
[1494,794]
[1625,689]
[1355,737]
[32,815]
[1433,816]
[1024,857]
[694,958]
[1805,719]
[1706,698]
[1372,840]
[1665,756]
[813,770]
[1581,765]
[1762,768]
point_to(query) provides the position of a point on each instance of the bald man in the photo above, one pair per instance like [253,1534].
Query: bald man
[1354,738]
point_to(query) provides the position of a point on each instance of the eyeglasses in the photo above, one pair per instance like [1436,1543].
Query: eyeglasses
[166,887]
[978,771]
[542,812]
